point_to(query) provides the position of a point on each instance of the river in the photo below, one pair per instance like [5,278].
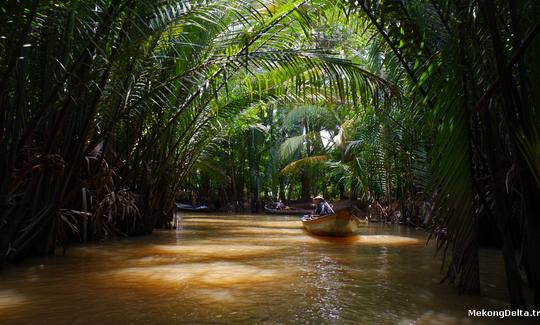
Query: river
[247,269]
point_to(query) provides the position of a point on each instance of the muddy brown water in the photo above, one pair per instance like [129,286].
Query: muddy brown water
[247,269]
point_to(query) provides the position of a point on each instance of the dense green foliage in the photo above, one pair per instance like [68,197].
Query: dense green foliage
[107,105]
[473,63]
[111,109]
[458,150]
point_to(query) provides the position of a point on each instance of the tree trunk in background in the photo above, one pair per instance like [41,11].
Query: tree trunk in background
[282,190]
[306,187]
[353,192]
[342,191]
[204,189]
[289,191]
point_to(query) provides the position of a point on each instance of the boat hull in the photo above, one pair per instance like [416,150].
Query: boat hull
[341,224]
[194,208]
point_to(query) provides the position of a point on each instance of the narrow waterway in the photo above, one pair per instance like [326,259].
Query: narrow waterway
[246,269]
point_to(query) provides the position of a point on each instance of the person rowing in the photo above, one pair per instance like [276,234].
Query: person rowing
[322,208]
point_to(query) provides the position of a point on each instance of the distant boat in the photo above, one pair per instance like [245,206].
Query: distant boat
[342,223]
[189,207]
[271,208]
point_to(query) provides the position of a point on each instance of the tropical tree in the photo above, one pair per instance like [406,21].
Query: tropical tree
[471,68]
[106,105]
[307,145]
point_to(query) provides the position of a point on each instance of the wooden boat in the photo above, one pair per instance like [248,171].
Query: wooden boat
[271,208]
[189,207]
[341,223]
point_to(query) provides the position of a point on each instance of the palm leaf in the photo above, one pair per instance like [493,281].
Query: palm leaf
[300,164]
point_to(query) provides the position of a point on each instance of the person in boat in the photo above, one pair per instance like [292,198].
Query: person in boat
[322,208]
[280,205]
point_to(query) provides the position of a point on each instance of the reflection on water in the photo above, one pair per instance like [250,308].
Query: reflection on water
[10,299]
[215,274]
[245,269]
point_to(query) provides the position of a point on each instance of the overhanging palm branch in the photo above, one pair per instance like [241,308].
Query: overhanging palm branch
[303,163]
